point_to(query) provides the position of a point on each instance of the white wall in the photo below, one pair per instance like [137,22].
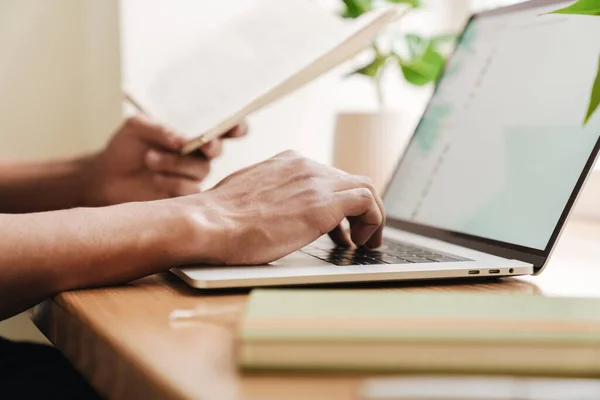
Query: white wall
[59,75]
[59,85]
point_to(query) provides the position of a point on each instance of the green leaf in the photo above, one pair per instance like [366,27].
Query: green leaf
[586,7]
[372,69]
[356,8]
[443,38]
[415,75]
[595,99]
[581,7]
[412,3]
[424,69]
[416,44]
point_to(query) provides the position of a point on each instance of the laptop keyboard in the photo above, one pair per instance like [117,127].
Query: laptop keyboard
[391,252]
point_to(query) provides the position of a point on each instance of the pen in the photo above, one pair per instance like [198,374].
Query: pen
[134,103]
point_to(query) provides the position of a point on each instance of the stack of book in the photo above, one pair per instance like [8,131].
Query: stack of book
[420,332]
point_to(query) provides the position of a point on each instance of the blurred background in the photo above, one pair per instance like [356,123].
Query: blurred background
[64,62]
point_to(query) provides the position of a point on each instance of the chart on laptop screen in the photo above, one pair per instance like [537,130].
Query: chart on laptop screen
[502,144]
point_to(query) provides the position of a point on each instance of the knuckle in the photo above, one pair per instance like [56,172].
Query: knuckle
[313,188]
[302,164]
[365,195]
[291,154]
[339,172]
[133,122]
[305,177]
[366,182]
[380,218]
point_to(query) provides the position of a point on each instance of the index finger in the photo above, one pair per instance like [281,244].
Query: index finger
[366,219]
[347,182]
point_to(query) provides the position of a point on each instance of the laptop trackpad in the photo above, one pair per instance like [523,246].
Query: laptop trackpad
[298,259]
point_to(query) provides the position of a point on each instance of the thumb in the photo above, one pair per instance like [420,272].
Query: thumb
[154,134]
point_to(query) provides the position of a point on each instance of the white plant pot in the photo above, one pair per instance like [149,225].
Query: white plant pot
[369,144]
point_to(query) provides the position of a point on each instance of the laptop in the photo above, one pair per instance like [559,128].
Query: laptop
[491,173]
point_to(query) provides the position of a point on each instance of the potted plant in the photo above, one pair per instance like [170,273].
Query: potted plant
[369,143]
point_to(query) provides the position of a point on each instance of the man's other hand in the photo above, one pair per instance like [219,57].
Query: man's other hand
[143,162]
[269,210]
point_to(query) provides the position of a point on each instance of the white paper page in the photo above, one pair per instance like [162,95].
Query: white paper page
[480,388]
[241,60]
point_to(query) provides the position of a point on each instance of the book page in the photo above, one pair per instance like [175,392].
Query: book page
[242,60]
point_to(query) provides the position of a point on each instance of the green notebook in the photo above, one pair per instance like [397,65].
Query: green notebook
[420,332]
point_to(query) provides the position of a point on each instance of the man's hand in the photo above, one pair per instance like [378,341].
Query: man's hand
[254,216]
[142,162]
[274,208]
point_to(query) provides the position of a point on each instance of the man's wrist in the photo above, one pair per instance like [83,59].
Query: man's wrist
[127,242]
[196,233]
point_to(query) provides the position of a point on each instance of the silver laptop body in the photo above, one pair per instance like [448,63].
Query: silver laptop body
[491,173]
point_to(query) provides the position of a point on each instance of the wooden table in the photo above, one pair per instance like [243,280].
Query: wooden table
[122,339]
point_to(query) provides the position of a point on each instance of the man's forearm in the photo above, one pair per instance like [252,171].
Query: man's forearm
[42,254]
[33,187]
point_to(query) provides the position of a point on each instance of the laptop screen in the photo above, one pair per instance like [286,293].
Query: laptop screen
[502,144]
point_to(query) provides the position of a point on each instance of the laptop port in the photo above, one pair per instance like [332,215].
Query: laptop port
[474,272]
[494,271]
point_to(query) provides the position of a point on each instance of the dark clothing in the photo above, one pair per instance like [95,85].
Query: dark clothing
[36,371]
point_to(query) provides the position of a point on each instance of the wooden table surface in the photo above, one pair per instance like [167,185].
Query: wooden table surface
[123,341]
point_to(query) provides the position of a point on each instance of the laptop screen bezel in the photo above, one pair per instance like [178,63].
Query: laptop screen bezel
[536,257]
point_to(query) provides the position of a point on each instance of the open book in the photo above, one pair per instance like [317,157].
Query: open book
[248,62]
